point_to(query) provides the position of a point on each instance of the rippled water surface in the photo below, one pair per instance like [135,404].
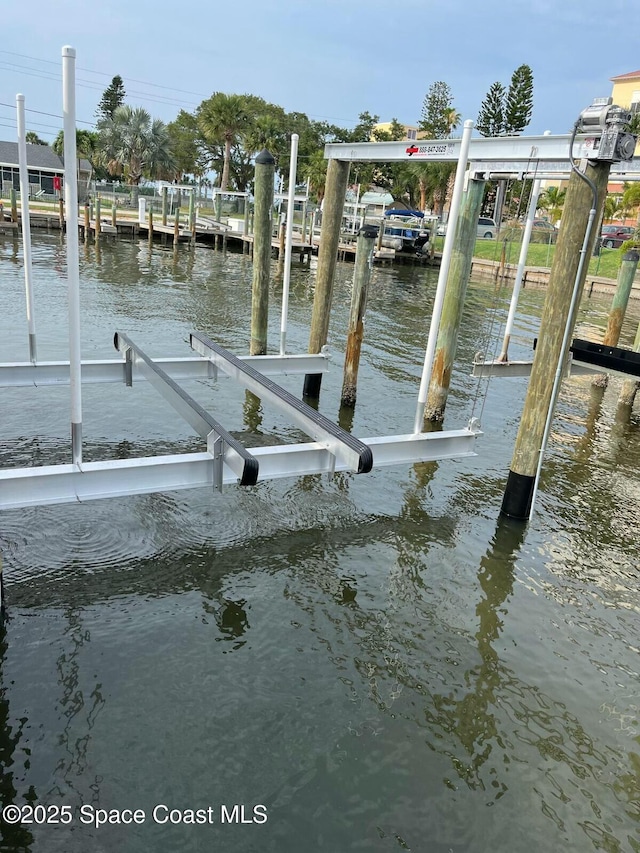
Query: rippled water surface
[373,658]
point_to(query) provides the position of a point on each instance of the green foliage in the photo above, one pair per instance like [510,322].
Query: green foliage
[519,101]
[133,145]
[221,120]
[507,111]
[33,139]
[634,243]
[491,118]
[438,116]
[552,200]
[183,135]
[112,98]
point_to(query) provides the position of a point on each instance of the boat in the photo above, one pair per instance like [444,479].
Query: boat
[407,226]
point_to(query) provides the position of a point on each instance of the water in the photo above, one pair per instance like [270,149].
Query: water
[371,658]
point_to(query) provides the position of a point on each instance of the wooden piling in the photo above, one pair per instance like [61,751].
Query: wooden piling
[98,224]
[165,195]
[14,205]
[87,222]
[521,482]
[151,226]
[263,207]
[176,227]
[281,241]
[626,274]
[452,307]
[60,212]
[114,212]
[361,276]
[630,387]
[246,218]
[335,192]
[192,212]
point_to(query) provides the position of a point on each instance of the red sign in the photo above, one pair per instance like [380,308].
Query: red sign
[412,149]
[57,183]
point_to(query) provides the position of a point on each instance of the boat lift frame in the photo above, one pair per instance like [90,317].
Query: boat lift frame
[226,460]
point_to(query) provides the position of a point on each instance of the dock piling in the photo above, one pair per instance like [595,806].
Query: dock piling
[263,207]
[14,204]
[626,274]
[165,193]
[452,307]
[335,192]
[361,277]
[566,282]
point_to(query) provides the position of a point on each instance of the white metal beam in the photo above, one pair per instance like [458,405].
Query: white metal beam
[57,484]
[487,149]
[21,374]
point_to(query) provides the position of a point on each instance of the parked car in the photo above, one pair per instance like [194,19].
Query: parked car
[613,236]
[543,231]
[487,228]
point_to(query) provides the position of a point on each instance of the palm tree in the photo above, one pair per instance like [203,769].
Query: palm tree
[631,199]
[552,200]
[221,120]
[134,145]
[315,169]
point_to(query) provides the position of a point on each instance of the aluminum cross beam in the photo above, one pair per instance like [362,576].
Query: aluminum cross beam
[24,373]
[344,446]
[485,149]
[57,484]
[221,445]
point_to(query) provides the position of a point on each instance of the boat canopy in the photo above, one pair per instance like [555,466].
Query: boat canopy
[417,213]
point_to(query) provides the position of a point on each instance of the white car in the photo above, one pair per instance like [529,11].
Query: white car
[487,228]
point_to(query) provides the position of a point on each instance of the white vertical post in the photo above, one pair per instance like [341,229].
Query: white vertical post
[73,262]
[517,284]
[522,261]
[288,242]
[442,277]
[26,225]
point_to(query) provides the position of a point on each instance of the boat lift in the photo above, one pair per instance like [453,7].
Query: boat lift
[226,460]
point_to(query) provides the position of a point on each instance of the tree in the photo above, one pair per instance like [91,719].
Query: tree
[552,200]
[134,145]
[33,138]
[112,98]
[519,101]
[438,116]
[315,170]
[183,135]
[221,120]
[491,118]
[86,144]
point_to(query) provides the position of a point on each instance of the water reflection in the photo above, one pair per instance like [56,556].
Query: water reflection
[14,763]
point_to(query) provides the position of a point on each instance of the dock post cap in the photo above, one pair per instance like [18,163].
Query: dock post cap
[265,158]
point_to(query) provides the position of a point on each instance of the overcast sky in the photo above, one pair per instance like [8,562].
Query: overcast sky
[331,59]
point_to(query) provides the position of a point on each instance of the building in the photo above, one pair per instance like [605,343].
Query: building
[43,168]
[411,131]
[626,91]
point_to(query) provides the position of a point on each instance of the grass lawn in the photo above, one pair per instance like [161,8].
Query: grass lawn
[541,255]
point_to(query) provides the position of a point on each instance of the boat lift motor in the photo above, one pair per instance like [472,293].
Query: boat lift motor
[609,124]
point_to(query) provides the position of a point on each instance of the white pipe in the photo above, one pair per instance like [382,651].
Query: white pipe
[73,260]
[522,261]
[288,242]
[26,225]
[442,277]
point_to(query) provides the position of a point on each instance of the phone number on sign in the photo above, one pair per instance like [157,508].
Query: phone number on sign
[160,814]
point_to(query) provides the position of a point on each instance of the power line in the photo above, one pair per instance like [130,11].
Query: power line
[170,101]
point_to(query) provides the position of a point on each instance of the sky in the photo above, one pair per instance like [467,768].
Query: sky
[331,59]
